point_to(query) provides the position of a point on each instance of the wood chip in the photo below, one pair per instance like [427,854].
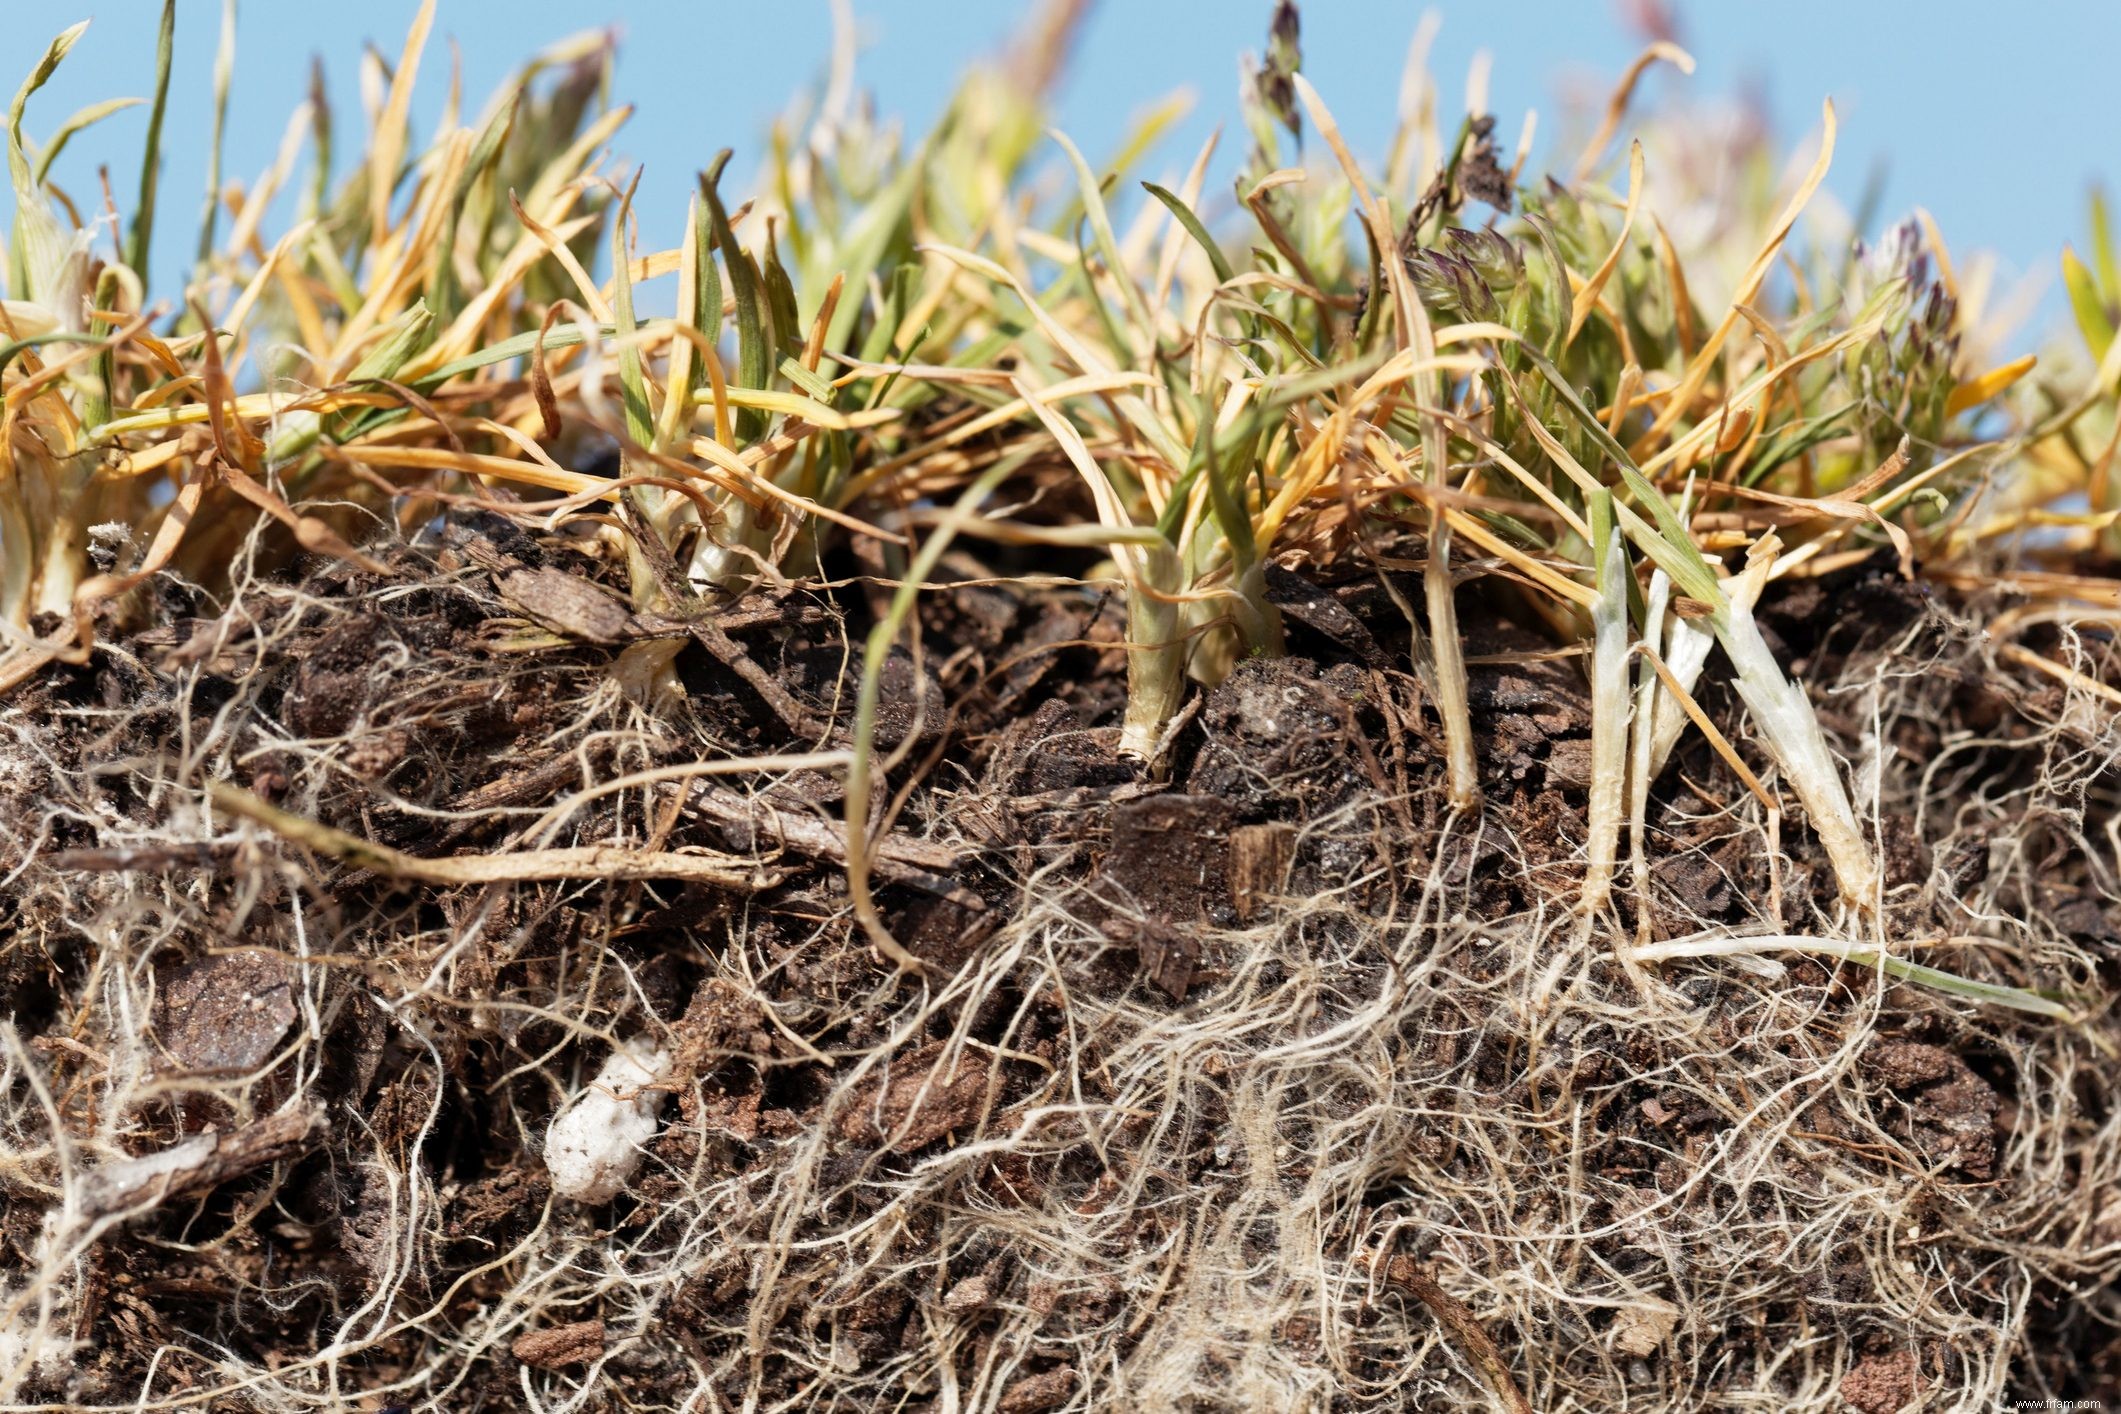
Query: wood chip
[1259,865]
[197,1165]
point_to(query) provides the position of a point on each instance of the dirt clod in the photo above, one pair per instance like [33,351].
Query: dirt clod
[1884,1383]
[223,1014]
[1042,1391]
[921,1102]
[1640,1329]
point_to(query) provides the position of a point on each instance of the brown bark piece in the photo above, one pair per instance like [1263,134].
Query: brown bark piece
[557,1347]
[1260,856]
[566,604]
[198,1164]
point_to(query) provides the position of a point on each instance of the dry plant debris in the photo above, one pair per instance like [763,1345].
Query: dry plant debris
[1382,786]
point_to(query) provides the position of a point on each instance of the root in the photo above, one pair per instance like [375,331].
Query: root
[1410,1139]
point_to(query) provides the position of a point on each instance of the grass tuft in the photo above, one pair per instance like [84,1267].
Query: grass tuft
[1619,424]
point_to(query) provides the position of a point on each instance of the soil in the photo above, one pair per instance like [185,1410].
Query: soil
[1198,1048]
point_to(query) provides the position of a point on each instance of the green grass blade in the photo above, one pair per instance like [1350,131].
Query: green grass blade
[1950,983]
[875,232]
[633,382]
[93,113]
[2085,304]
[17,149]
[139,243]
[861,772]
[444,293]
[1183,214]
[224,73]
[37,251]
[1226,494]
[562,336]
[780,303]
[1673,546]
[1107,243]
[751,345]
[2106,259]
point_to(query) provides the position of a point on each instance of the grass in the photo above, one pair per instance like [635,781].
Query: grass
[1609,405]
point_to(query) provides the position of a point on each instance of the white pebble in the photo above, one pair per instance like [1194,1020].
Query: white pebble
[595,1143]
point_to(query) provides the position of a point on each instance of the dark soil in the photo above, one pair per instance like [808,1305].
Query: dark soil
[427,1033]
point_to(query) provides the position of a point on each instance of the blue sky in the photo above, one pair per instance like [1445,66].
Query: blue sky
[1991,119]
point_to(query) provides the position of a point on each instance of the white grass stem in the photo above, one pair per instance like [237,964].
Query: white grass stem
[1642,758]
[1686,653]
[1156,657]
[1784,715]
[1862,954]
[1609,708]
[1449,654]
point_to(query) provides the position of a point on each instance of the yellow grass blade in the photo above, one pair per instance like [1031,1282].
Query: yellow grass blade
[1976,391]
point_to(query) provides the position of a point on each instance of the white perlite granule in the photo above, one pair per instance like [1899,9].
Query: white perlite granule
[595,1142]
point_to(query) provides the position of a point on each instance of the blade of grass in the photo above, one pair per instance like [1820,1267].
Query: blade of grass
[1609,706]
[139,243]
[86,117]
[2017,998]
[863,770]
[1116,269]
[224,73]
[2086,305]
[751,345]
[38,249]
[388,146]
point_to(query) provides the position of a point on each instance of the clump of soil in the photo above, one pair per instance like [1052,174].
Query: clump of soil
[1256,1080]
